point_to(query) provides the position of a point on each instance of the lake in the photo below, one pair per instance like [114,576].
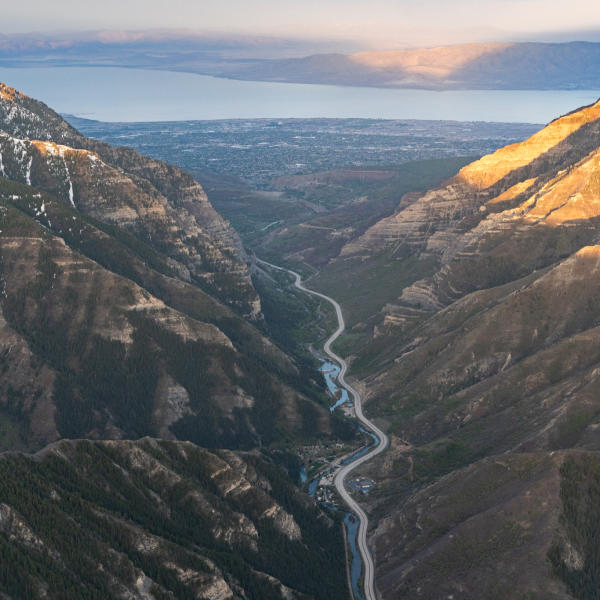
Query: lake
[117,94]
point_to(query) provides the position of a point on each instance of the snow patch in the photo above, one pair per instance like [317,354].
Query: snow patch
[71,193]
[28,172]
[71,200]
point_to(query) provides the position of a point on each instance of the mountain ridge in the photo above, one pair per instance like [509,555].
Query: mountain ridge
[490,65]
[485,372]
[130,302]
[157,200]
[156,519]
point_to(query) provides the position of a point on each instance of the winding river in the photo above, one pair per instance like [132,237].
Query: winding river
[358,458]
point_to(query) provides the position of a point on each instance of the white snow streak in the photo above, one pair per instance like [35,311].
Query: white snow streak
[28,173]
[71,200]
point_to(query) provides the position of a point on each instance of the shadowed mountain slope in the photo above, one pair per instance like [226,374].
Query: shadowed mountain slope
[115,280]
[158,203]
[160,520]
[510,66]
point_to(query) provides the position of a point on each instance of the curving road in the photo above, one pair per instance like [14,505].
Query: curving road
[369,572]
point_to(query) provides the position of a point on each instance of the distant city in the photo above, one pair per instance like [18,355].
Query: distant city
[259,150]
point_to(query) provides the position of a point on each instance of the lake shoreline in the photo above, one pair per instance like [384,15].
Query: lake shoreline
[127,94]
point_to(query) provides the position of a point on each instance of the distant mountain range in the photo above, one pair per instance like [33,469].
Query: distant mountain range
[173,44]
[574,65]
[499,65]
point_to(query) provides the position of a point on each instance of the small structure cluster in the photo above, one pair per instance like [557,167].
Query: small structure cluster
[361,484]
[326,495]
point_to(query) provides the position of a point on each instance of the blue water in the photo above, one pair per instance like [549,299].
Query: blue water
[374,437]
[356,564]
[313,485]
[116,94]
[351,532]
[330,372]
[303,475]
[356,455]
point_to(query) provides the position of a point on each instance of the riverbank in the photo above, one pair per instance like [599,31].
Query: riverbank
[344,470]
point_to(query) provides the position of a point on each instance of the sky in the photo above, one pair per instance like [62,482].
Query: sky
[376,23]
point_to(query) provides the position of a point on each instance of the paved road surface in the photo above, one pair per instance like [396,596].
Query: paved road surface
[369,573]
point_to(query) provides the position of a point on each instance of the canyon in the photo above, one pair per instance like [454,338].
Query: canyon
[156,376]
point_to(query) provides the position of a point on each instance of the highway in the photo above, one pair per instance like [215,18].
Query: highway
[367,558]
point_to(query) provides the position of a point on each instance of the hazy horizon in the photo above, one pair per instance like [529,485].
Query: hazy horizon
[381,24]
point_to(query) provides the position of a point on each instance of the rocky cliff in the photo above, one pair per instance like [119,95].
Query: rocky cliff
[121,294]
[487,211]
[157,202]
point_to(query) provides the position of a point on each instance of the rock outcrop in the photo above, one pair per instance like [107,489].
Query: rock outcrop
[126,303]
[102,340]
[158,203]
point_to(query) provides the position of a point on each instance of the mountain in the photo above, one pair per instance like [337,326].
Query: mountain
[491,65]
[521,525]
[485,370]
[152,48]
[519,65]
[157,202]
[123,302]
[164,520]
[129,323]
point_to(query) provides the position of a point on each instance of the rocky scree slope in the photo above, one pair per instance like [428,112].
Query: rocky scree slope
[495,353]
